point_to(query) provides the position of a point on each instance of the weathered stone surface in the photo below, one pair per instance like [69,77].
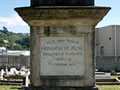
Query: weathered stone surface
[62,56]
[60,15]
[62,23]
[62,88]
[62,3]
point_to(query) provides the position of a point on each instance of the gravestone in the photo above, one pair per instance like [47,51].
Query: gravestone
[62,43]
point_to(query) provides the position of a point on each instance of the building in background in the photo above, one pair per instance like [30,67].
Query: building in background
[3,51]
[18,53]
[107,41]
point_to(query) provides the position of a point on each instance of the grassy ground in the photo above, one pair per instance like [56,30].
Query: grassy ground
[109,87]
[115,76]
[10,87]
[102,87]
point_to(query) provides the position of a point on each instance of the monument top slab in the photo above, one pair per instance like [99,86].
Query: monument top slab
[35,3]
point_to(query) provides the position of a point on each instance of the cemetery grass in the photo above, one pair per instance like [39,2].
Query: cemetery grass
[102,87]
[109,87]
[115,76]
[10,87]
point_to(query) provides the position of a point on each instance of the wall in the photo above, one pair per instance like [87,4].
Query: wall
[14,61]
[105,36]
[108,63]
[118,40]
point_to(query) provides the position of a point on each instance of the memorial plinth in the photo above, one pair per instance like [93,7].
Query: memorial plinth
[62,46]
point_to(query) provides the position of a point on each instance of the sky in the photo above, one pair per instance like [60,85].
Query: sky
[10,19]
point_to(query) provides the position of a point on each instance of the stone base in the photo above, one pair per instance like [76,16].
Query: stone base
[62,88]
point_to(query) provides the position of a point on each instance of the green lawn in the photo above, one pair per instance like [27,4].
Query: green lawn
[10,87]
[109,87]
[102,87]
[115,76]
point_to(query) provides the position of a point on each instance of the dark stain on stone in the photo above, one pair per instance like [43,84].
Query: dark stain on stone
[47,30]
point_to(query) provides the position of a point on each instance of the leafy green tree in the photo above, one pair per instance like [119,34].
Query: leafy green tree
[16,41]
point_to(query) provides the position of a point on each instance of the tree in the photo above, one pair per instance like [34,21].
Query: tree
[5,29]
[16,41]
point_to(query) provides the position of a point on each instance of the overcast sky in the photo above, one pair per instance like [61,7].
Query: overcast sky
[10,19]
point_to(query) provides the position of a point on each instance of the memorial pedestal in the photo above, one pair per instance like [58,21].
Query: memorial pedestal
[62,88]
[62,46]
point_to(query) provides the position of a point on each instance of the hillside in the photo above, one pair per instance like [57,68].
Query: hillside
[14,41]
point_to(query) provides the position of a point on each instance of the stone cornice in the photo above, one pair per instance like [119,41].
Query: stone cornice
[62,13]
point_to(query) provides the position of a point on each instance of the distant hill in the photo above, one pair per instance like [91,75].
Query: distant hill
[14,41]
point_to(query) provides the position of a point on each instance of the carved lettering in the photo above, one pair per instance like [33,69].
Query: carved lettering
[59,55]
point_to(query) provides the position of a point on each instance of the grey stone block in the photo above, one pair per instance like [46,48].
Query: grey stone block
[62,88]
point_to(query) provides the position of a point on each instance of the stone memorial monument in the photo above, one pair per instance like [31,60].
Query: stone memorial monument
[62,43]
